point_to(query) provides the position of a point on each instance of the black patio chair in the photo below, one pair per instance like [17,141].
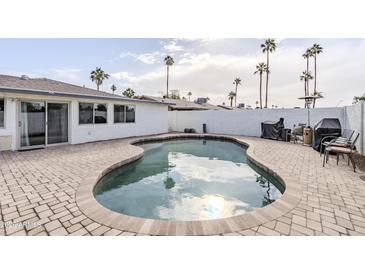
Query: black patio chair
[343,141]
[349,150]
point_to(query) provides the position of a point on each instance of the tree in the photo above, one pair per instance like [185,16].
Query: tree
[174,94]
[231,96]
[169,61]
[308,54]
[317,94]
[98,76]
[268,47]
[260,69]
[359,98]
[316,50]
[236,82]
[306,76]
[129,93]
[113,88]
[189,94]
[257,103]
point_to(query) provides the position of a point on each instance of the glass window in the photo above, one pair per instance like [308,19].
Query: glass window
[100,114]
[130,114]
[2,112]
[119,114]
[85,113]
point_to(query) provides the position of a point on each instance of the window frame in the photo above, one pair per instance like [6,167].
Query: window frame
[134,120]
[94,108]
[4,122]
[93,115]
[124,113]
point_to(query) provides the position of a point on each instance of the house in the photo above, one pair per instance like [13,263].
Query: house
[40,112]
[179,105]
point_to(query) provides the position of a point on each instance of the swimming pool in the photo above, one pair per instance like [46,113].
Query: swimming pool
[187,180]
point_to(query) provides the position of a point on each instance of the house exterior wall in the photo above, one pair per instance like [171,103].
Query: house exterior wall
[149,119]
[7,133]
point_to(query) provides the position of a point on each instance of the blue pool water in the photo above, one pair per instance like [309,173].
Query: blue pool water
[188,179]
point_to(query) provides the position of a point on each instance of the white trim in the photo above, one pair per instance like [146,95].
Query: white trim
[5,111]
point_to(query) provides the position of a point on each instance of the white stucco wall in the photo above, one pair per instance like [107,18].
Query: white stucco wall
[354,119]
[9,129]
[246,122]
[150,119]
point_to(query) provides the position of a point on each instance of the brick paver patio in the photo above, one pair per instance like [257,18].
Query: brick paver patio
[38,190]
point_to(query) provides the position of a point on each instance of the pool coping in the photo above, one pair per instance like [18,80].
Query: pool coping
[94,210]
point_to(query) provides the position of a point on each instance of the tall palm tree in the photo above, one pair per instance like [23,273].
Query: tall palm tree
[189,94]
[268,47]
[260,69]
[236,82]
[231,96]
[169,61]
[98,76]
[306,76]
[308,54]
[113,88]
[316,50]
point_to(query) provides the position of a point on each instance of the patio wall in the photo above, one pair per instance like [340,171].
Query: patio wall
[355,119]
[248,122]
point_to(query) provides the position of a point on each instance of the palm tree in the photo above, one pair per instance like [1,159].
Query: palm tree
[189,94]
[168,62]
[308,54]
[316,50]
[113,88]
[268,47]
[236,82]
[318,94]
[260,69]
[306,76]
[129,93]
[98,76]
[231,96]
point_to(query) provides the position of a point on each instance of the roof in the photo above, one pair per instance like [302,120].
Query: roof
[176,104]
[225,107]
[52,87]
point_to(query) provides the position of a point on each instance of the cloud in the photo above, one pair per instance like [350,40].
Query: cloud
[172,46]
[128,54]
[146,58]
[211,74]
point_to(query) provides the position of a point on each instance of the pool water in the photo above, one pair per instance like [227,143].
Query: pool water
[188,179]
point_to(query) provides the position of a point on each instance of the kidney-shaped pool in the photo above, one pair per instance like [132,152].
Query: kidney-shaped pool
[186,180]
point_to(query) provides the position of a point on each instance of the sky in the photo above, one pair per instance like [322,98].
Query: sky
[204,67]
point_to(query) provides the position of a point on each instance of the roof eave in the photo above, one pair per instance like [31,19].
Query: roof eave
[76,95]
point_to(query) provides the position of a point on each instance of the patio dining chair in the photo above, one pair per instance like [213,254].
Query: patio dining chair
[349,150]
[343,141]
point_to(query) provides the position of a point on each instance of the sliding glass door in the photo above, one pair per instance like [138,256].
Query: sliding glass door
[43,124]
[32,124]
[57,123]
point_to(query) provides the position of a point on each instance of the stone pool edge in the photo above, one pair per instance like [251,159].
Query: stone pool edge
[90,207]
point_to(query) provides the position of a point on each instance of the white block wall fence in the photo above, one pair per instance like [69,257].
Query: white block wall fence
[248,122]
